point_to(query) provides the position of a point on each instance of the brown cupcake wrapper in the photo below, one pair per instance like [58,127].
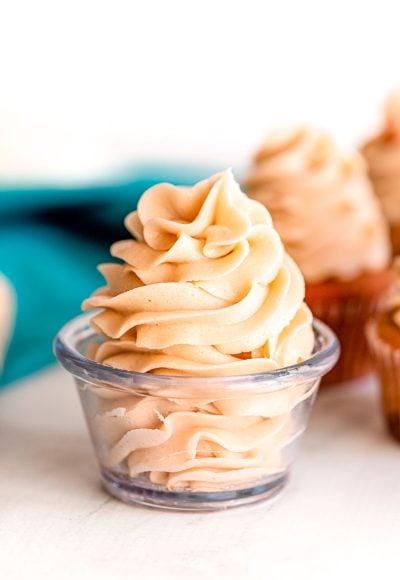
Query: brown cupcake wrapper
[395,238]
[388,368]
[347,317]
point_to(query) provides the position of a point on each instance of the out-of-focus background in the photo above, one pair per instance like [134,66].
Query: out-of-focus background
[98,100]
[87,85]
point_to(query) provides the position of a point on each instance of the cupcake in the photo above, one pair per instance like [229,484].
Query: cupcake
[383,157]
[203,359]
[330,222]
[383,333]
[7,300]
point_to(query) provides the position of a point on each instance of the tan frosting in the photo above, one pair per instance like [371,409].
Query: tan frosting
[205,281]
[321,203]
[383,157]
[199,444]
[7,299]
[204,289]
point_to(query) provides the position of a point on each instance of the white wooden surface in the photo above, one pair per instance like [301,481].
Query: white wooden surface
[339,518]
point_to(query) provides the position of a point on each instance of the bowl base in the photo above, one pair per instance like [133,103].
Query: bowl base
[132,492]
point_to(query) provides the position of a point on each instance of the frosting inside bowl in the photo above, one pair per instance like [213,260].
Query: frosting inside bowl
[383,156]
[204,289]
[202,444]
[321,203]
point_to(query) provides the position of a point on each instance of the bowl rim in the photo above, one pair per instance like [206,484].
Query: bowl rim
[78,330]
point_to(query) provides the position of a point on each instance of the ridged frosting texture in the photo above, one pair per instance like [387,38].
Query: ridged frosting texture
[205,288]
[322,204]
[204,444]
[383,156]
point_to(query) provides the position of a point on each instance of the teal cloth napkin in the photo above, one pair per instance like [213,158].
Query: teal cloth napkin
[51,239]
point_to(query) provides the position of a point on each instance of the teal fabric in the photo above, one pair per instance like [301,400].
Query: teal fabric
[51,239]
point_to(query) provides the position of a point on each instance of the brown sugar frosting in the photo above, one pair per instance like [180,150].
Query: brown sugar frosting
[205,288]
[321,203]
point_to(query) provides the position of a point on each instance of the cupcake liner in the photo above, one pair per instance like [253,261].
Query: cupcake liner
[347,317]
[388,368]
[395,238]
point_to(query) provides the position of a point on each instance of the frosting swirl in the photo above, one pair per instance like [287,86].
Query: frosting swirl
[309,187]
[199,444]
[204,289]
[383,156]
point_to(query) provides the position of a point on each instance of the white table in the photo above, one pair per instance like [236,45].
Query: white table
[339,518]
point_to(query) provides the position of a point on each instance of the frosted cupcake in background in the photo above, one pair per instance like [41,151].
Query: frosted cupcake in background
[383,333]
[330,222]
[383,157]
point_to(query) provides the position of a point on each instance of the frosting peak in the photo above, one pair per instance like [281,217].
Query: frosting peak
[308,185]
[204,289]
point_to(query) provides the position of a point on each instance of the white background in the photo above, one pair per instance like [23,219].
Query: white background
[86,85]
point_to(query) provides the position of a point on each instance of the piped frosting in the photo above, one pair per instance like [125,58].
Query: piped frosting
[205,288]
[321,203]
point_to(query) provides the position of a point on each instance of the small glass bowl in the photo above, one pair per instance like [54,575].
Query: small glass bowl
[193,443]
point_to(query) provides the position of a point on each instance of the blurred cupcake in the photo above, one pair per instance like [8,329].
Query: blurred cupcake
[323,206]
[383,333]
[7,300]
[383,156]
